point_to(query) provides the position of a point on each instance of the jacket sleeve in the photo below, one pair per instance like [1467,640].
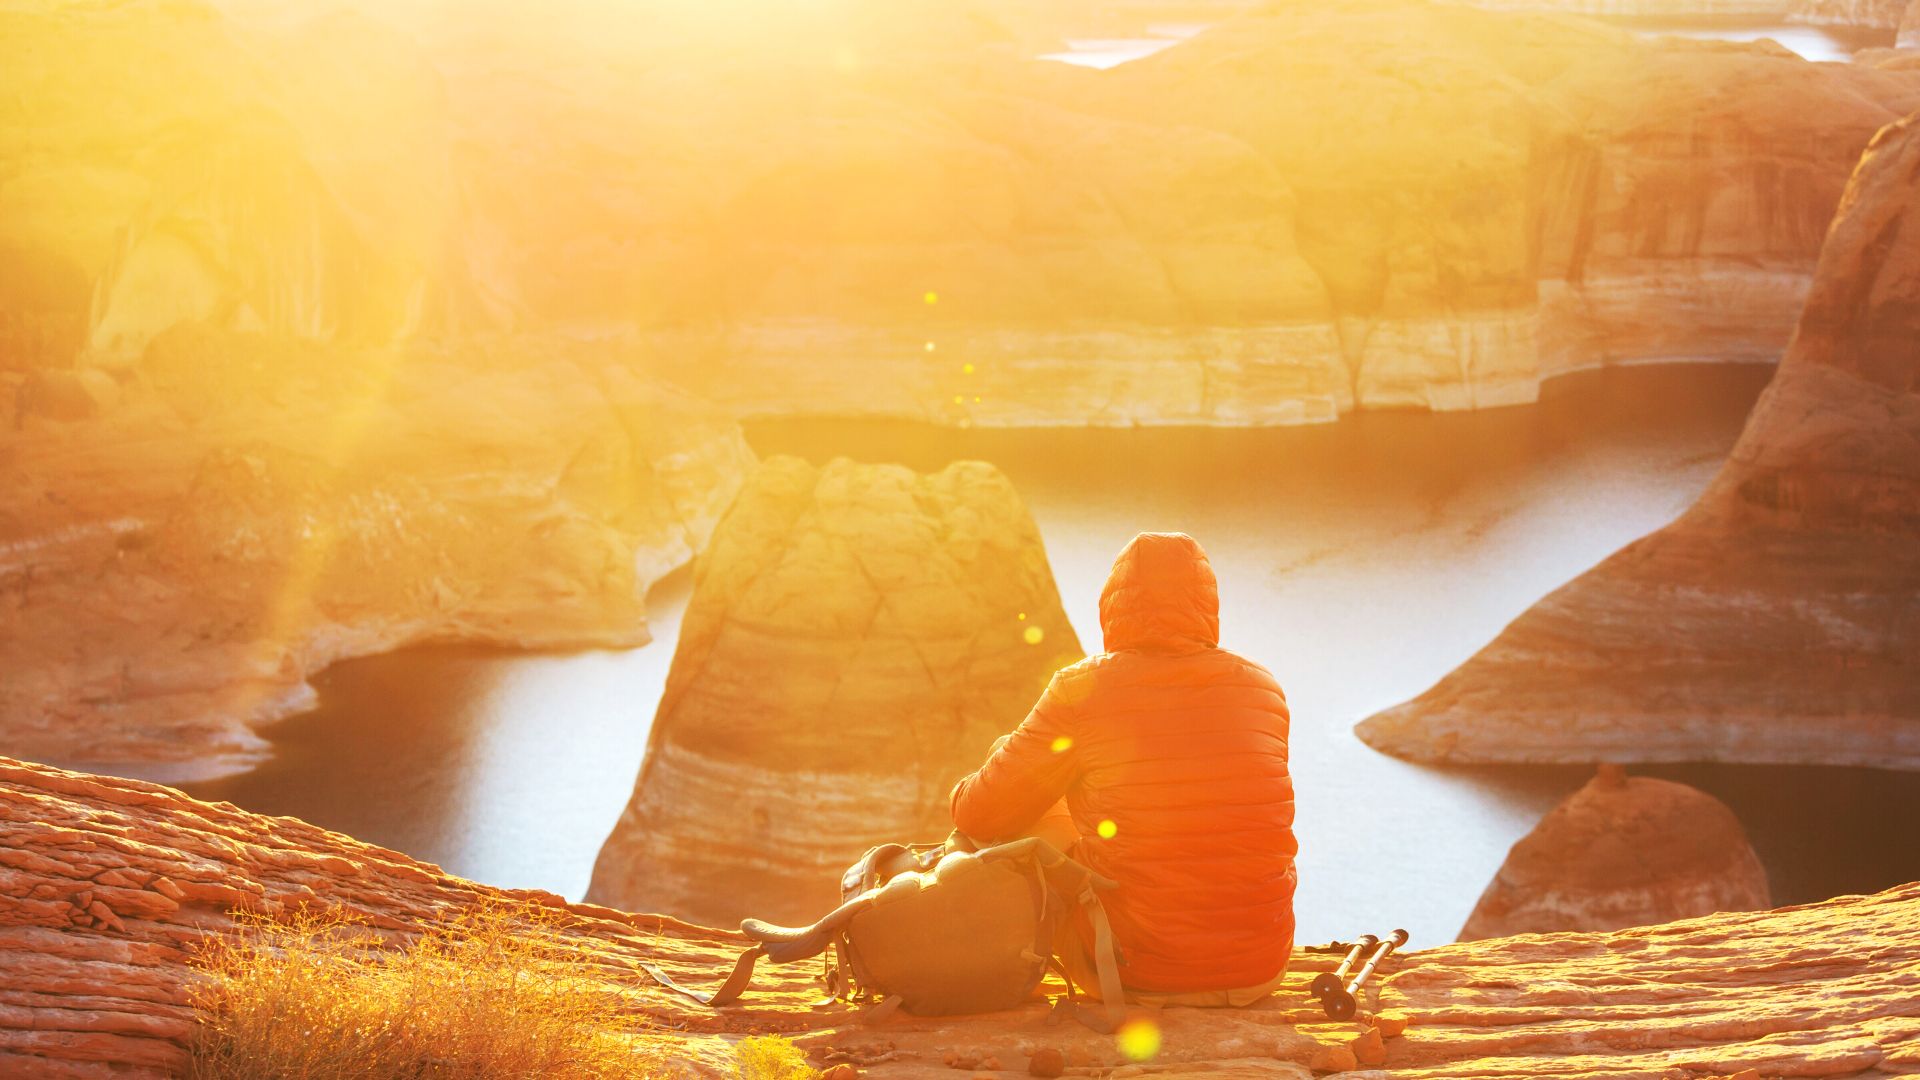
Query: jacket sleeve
[1025,775]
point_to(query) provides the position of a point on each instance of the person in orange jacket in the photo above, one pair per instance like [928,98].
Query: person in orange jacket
[1167,757]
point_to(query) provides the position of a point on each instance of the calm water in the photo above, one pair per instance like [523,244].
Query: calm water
[1826,43]
[1359,560]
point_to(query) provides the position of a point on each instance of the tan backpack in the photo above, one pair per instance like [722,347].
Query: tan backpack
[936,932]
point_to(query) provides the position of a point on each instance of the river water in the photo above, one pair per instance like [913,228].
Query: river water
[1359,560]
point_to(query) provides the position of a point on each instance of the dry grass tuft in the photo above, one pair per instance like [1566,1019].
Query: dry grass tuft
[770,1057]
[495,993]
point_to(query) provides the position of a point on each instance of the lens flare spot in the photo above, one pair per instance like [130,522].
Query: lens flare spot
[1138,1039]
[929,346]
[966,369]
[976,399]
[1034,635]
[958,400]
[1061,744]
[1023,616]
[1107,830]
[931,297]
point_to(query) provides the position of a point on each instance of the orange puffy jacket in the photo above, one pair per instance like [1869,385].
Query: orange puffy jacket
[1182,747]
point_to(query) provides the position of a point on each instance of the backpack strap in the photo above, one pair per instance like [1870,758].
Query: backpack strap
[1106,963]
[727,993]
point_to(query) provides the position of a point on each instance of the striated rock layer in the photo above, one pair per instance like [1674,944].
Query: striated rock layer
[173,571]
[785,220]
[1878,14]
[858,637]
[1622,851]
[1778,620]
[106,884]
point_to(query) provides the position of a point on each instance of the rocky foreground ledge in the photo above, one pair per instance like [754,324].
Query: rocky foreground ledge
[106,884]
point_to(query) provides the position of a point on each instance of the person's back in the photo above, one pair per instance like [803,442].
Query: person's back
[1171,754]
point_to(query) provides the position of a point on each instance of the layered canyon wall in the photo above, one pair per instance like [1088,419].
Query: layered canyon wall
[858,637]
[909,216]
[1778,620]
[108,885]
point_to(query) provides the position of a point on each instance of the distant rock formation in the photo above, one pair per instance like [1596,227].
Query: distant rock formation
[171,572]
[1865,14]
[1779,619]
[1138,246]
[858,637]
[106,885]
[1622,851]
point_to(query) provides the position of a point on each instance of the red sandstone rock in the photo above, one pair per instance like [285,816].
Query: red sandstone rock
[859,635]
[1622,851]
[1368,1047]
[1334,1059]
[1823,989]
[1774,622]
[1046,1062]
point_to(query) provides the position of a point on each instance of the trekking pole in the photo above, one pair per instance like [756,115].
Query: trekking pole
[1394,941]
[1327,986]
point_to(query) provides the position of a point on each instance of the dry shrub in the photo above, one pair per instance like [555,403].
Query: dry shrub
[494,993]
[770,1057]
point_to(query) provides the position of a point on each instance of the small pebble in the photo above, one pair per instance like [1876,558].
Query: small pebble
[1333,1059]
[1369,1048]
[1046,1061]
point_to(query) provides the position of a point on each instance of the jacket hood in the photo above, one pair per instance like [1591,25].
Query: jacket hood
[1161,595]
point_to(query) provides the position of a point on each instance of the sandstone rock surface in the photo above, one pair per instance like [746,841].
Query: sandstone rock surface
[172,571]
[1778,620]
[1822,990]
[858,637]
[1622,851]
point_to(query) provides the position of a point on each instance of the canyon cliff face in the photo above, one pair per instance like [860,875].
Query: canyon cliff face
[908,216]
[1622,851]
[106,886]
[858,637]
[1775,621]
[172,571]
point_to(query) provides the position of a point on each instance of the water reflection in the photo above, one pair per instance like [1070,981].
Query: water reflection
[502,766]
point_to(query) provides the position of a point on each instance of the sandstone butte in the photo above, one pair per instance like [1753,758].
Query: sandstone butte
[254,510]
[1776,620]
[1622,851]
[106,885]
[784,222]
[858,637]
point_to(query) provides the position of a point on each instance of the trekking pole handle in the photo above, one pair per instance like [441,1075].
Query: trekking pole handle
[1394,941]
[1365,944]
[1327,984]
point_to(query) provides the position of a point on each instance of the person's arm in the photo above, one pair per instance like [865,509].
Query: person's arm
[1025,775]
